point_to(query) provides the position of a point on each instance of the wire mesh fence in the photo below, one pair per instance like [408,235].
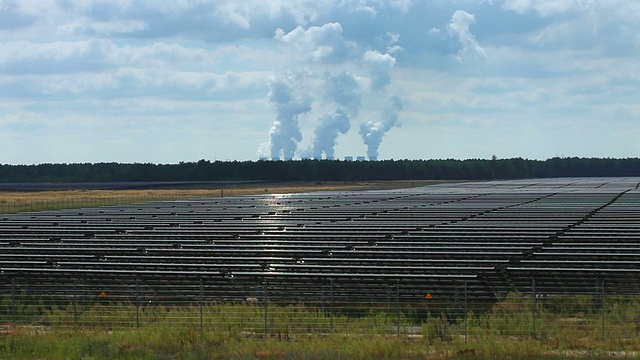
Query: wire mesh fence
[591,319]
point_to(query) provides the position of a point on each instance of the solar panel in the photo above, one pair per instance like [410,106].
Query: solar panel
[494,237]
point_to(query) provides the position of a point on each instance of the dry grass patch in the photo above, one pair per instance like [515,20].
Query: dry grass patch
[231,190]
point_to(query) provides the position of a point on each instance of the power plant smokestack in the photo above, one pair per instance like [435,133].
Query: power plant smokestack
[373,132]
[286,92]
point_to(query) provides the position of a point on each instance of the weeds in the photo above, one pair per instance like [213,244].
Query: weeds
[566,327]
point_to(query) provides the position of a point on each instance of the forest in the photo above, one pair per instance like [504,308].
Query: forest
[322,170]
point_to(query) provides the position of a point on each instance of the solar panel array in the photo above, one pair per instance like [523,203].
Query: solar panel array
[491,238]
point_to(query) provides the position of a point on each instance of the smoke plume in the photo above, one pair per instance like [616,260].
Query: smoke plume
[373,132]
[343,90]
[327,132]
[286,93]
[379,66]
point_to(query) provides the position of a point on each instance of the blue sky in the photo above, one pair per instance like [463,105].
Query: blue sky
[169,81]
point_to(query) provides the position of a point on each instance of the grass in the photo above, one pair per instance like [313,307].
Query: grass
[12,202]
[565,329]
[168,342]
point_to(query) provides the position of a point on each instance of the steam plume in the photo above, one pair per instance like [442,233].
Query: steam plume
[327,132]
[285,93]
[373,132]
[344,91]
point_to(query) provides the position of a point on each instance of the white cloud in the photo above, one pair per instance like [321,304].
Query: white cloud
[379,66]
[103,28]
[459,26]
[322,44]
[81,56]
[549,7]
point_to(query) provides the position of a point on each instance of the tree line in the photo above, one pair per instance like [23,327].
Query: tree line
[323,170]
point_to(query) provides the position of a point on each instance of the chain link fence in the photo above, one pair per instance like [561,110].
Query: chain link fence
[592,319]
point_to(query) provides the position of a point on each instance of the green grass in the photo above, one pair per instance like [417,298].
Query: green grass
[566,326]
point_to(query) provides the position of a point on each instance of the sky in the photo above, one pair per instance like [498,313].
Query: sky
[140,81]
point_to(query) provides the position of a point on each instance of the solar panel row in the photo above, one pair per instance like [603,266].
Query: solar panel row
[491,237]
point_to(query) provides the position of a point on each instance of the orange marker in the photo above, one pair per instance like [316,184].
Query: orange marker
[428,296]
[103,294]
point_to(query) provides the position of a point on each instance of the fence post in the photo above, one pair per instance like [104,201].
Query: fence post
[201,308]
[75,304]
[466,324]
[603,307]
[13,300]
[266,314]
[331,302]
[398,307]
[137,302]
[534,305]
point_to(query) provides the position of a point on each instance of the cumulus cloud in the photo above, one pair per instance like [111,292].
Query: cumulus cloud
[379,65]
[321,44]
[459,27]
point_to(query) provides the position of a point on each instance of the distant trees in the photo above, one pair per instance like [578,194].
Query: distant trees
[324,170]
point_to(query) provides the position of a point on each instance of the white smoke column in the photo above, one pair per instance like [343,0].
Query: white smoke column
[373,132]
[344,91]
[327,132]
[285,91]
[379,66]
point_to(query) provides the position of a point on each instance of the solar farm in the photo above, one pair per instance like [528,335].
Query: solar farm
[559,236]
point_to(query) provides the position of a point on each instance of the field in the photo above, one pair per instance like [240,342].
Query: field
[520,269]
[228,331]
[17,201]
